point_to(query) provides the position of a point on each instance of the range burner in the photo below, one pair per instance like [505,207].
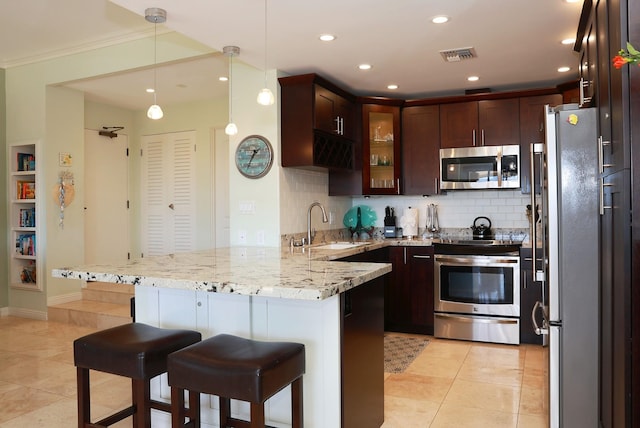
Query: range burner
[463,245]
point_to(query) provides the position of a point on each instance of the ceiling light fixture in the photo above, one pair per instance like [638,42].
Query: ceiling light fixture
[231,51]
[570,41]
[392,87]
[364,66]
[327,37]
[157,16]
[440,19]
[473,78]
[265,96]
[563,69]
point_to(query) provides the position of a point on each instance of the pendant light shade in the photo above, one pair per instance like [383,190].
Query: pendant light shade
[231,51]
[265,96]
[157,16]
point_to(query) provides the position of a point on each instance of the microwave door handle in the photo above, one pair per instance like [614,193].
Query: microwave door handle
[499,164]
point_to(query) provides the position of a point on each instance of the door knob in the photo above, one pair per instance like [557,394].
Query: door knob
[171,206]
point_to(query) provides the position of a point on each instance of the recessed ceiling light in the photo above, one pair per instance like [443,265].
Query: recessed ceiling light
[572,1]
[150,90]
[327,37]
[563,69]
[223,78]
[392,87]
[473,78]
[440,19]
[364,66]
[568,41]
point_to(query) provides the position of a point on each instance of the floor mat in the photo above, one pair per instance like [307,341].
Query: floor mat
[400,351]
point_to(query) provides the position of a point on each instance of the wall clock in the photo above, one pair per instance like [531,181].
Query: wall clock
[254,156]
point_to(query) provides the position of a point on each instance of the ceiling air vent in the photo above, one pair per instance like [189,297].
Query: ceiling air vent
[456,55]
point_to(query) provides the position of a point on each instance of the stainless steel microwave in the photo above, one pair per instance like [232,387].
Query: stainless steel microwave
[485,167]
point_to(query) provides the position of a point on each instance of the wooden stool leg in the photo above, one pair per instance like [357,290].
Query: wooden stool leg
[177,407]
[297,416]
[84,401]
[141,395]
[257,415]
[225,411]
[194,409]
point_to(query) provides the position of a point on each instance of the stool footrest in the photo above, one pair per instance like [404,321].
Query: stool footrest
[116,417]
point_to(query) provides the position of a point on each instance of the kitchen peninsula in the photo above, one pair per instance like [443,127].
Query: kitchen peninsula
[335,308]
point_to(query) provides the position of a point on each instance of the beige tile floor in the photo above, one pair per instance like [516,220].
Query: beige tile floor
[450,384]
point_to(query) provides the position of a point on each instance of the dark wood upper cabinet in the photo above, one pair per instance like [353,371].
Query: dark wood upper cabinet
[420,150]
[532,119]
[319,124]
[479,123]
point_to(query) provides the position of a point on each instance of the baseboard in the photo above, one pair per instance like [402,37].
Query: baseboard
[4,312]
[64,298]
[28,313]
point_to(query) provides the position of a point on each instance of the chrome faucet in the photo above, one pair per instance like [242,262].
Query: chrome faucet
[324,220]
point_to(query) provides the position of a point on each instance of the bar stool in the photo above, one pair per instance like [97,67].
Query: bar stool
[137,351]
[232,367]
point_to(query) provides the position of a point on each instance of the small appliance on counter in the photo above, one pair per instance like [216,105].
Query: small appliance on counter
[482,231]
[389,223]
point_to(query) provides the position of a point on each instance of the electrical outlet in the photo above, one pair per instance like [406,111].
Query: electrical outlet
[242,236]
[260,237]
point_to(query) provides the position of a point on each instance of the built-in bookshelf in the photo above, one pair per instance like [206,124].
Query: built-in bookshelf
[24,222]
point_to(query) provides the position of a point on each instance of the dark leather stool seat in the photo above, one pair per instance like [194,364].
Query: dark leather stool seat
[232,367]
[137,351]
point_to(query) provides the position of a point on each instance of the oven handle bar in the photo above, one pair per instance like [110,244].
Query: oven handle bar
[466,261]
[476,319]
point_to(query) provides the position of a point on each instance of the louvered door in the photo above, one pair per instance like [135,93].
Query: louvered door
[167,190]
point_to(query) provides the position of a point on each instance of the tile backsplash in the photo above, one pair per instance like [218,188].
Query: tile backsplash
[458,209]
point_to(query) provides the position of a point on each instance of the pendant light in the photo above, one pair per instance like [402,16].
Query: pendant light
[231,51]
[265,96]
[155,15]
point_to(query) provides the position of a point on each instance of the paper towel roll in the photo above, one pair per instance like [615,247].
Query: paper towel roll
[409,222]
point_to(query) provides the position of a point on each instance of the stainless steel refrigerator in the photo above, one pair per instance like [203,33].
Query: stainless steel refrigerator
[565,196]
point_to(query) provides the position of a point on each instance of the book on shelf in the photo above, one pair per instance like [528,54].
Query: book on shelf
[28,273]
[26,244]
[27,217]
[25,189]
[26,162]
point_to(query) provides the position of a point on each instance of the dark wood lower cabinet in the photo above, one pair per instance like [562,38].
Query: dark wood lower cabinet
[409,292]
[363,355]
[530,293]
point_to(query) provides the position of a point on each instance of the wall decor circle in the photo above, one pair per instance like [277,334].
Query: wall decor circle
[254,156]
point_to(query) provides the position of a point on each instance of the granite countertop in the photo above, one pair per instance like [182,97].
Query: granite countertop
[270,272]
[306,273]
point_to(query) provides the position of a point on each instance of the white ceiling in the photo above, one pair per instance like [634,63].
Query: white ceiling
[517,42]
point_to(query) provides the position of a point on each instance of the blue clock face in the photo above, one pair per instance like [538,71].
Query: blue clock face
[254,156]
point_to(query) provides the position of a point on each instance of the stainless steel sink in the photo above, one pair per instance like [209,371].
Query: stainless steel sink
[339,245]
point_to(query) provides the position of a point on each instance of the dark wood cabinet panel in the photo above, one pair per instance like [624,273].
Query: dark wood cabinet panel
[458,124]
[318,124]
[499,122]
[420,150]
[532,119]
[530,293]
[479,123]
[409,294]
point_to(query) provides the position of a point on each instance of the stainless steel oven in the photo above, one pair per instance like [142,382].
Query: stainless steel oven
[477,292]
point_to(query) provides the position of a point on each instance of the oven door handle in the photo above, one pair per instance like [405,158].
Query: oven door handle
[476,319]
[465,261]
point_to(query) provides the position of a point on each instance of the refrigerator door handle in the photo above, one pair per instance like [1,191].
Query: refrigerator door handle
[540,331]
[537,151]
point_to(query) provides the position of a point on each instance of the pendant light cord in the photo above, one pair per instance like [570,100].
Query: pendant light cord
[155,60]
[265,43]
[230,87]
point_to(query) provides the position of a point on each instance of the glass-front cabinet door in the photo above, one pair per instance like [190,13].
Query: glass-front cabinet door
[381,151]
